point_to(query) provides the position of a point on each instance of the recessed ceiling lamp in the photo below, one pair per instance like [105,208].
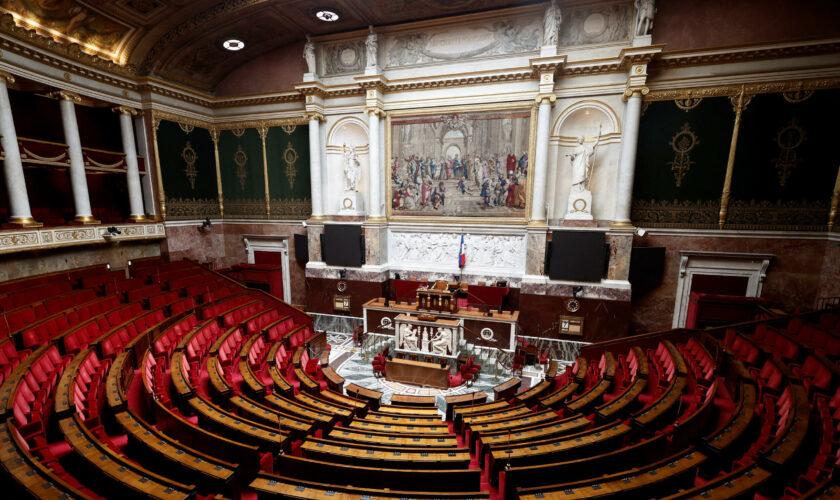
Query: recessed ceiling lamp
[328,16]
[233,44]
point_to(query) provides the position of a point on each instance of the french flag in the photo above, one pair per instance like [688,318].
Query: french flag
[462,257]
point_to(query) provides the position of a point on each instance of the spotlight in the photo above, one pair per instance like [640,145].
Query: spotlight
[206,225]
[576,290]
[110,233]
[397,276]
[342,273]
[640,232]
[233,44]
[328,16]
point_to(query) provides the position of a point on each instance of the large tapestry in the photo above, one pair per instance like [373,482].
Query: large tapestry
[287,151]
[188,171]
[473,164]
[243,176]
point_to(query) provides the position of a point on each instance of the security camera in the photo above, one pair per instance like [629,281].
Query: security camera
[206,225]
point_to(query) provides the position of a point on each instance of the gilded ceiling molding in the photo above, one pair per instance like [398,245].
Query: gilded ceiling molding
[734,90]
[158,115]
[70,50]
[697,58]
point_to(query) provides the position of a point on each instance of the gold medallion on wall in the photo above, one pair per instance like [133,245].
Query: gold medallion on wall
[290,156]
[241,159]
[289,129]
[682,144]
[189,156]
[789,138]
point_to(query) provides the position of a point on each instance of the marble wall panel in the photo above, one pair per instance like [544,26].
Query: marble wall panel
[793,278]
[830,273]
[23,264]
[620,246]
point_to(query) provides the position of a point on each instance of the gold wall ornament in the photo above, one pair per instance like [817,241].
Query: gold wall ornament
[797,96]
[189,156]
[238,132]
[835,200]
[788,139]
[289,129]
[682,143]
[739,104]
[241,159]
[290,156]
[186,127]
[688,103]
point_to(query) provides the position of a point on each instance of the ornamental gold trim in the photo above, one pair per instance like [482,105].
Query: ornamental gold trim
[189,156]
[240,158]
[776,87]
[290,156]
[682,143]
[789,138]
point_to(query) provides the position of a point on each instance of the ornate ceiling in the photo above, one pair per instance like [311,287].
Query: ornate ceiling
[180,40]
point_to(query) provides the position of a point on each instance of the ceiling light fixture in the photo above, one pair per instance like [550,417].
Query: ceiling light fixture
[233,44]
[328,16]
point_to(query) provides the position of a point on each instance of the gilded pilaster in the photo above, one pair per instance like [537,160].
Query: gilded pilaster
[739,104]
[214,134]
[263,131]
[161,197]
[835,200]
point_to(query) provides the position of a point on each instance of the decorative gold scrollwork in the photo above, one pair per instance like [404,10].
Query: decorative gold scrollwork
[241,159]
[682,144]
[290,156]
[788,139]
[797,96]
[238,132]
[688,103]
[289,129]
[189,156]
[186,128]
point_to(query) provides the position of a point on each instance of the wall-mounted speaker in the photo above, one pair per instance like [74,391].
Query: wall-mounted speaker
[301,248]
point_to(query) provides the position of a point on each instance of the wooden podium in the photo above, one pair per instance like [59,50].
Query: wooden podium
[417,373]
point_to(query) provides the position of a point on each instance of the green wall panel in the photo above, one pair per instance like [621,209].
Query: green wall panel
[188,171]
[785,166]
[241,167]
[681,163]
[287,150]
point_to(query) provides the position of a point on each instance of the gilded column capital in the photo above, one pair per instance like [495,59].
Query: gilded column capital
[635,91]
[551,98]
[373,110]
[6,77]
[314,115]
[66,95]
[214,135]
[263,131]
[125,110]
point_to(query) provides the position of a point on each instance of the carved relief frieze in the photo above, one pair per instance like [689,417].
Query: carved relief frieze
[15,241]
[342,57]
[499,254]
[594,25]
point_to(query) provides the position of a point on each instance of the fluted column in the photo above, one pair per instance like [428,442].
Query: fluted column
[627,157]
[19,212]
[78,181]
[540,171]
[374,191]
[315,120]
[132,170]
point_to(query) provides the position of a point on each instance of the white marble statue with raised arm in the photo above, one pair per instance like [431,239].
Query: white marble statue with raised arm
[551,23]
[309,55]
[645,10]
[352,169]
[580,197]
[370,48]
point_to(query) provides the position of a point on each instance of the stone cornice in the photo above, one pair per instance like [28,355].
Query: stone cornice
[679,59]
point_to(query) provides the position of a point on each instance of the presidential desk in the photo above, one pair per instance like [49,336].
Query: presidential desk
[417,373]
[493,328]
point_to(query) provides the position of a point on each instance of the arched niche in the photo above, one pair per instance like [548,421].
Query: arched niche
[347,131]
[350,131]
[583,118]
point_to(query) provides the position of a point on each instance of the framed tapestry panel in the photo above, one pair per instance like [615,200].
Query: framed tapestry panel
[450,163]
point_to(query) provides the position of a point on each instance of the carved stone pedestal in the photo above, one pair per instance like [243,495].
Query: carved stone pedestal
[350,203]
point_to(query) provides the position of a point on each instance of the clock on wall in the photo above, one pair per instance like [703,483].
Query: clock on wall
[341,286]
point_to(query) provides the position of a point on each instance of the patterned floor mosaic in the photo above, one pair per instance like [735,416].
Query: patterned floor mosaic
[346,359]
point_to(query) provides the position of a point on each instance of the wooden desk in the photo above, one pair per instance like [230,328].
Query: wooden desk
[532,433]
[622,403]
[334,380]
[399,429]
[742,480]
[417,373]
[411,411]
[379,439]
[477,430]
[452,402]
[358,392]
[405,400]
[268,486]
[529,397]
[507,389]
[742,417]
[457,458]
[558,398]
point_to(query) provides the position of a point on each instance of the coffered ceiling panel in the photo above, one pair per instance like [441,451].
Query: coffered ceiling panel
[180,40]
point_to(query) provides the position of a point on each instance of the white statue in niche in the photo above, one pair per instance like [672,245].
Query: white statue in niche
[309,55]
[441,341]
[352,169]
[551,23]
[645,10]
[580,197]
[409,338]
[370,48]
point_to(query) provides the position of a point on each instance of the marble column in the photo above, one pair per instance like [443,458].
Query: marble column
[19,212]
[374,199]
[540,171]
[627,158]
[132,171]
[315,163]
[78,180]
[383,187]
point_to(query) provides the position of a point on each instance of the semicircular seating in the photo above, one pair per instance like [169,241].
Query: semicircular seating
[172,381]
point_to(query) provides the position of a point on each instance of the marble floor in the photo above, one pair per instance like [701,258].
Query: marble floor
[347,360]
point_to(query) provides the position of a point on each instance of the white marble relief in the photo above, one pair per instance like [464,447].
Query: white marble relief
[601,24]
[464,42]
[499,254]
[343,57]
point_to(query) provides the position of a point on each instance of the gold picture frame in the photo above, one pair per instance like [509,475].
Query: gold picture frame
[518,219]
